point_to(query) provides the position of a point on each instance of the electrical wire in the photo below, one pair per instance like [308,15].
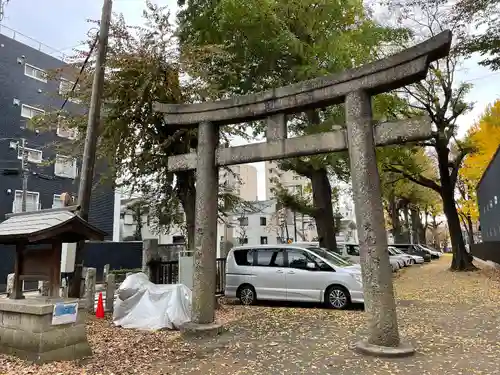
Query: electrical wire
[81,70]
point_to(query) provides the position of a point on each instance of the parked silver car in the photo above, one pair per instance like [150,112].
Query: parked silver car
[292,273]
[351,251]
[415,259]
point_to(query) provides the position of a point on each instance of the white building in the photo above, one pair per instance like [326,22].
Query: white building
[241,179]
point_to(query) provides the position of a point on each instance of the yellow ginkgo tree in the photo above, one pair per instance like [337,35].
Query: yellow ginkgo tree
[485,138]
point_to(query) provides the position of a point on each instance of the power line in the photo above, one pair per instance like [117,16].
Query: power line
[81,70]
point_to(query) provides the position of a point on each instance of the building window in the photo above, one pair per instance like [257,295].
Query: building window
[30,112]
[495,198]
[32,201]
[64,131]
[243,241]
[65,166]
[243,221]
[263,240]
[66,90]
[34,156]
[36,73]
[57,202]
[491,204]
[263,221]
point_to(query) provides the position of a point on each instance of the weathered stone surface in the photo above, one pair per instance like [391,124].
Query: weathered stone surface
[10,283]
[105,271]
[193,330]
[207,186]
[402,350]
[29,334]
[90,281]
[367,194]
[388,133]
[110,292]
[43,287]
[390,73]
[149,253]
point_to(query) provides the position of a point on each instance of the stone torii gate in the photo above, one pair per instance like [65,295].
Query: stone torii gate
[354,87]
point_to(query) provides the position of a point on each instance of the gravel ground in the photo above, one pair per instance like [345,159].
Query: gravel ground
[451,318]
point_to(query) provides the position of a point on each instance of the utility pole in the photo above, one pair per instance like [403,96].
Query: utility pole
[89,153]
[25,174]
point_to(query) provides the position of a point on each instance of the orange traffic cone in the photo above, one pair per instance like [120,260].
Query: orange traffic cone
[99,312]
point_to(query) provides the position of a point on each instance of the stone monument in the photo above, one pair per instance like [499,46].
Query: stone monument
[353,87]
[43,328]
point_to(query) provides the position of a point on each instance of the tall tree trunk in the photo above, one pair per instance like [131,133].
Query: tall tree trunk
[435,234]
[406,225]
[397,231]
[415,224]
[470,230]
[462,260]
[187,196]
[322,200]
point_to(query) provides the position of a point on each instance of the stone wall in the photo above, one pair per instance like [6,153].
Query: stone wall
[27,332]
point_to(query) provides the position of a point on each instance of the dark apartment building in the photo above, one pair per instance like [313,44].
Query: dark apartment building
[26,92]
[488,196]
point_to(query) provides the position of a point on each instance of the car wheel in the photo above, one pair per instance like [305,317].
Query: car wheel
[247,295]
[412,261]
[337,297]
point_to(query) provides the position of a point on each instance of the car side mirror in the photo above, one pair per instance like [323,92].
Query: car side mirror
[311,265]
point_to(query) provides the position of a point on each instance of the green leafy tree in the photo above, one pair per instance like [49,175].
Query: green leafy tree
[143,65]
[444,100]
[271,43]
[484,15]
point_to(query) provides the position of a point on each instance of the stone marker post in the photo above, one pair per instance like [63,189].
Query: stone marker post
[43,287]
[149,253]
[90,278]
[10,284]
[110,292]
[105,272]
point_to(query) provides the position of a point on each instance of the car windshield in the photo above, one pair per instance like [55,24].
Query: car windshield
[330,256]
[391,251]
[397,251]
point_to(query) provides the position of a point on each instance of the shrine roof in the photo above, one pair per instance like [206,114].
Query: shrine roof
[52,225]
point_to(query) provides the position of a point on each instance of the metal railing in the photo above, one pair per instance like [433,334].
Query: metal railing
[168,273]
[33,43]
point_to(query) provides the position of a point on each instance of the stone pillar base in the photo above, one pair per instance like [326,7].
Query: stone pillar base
[26,331]
[403,350]
[194,330]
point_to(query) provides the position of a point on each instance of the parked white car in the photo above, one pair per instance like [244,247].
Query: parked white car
[416,259]
[292,273]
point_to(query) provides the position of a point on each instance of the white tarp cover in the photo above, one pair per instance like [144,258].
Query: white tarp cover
[144,305]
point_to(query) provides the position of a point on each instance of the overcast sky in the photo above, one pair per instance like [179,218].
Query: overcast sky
[62,25]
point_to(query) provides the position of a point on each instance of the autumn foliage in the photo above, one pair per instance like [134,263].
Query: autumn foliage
[485,138]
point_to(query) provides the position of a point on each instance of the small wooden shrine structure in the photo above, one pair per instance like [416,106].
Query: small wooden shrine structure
[38,237]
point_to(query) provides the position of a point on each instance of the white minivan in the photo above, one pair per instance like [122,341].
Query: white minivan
[292,273]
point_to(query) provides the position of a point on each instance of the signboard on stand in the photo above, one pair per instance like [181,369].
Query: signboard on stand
[64,313]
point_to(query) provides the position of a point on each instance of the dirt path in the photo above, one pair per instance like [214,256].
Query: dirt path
[451,318]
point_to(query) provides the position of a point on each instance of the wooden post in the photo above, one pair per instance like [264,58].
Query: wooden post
[17,291]
[55,271]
